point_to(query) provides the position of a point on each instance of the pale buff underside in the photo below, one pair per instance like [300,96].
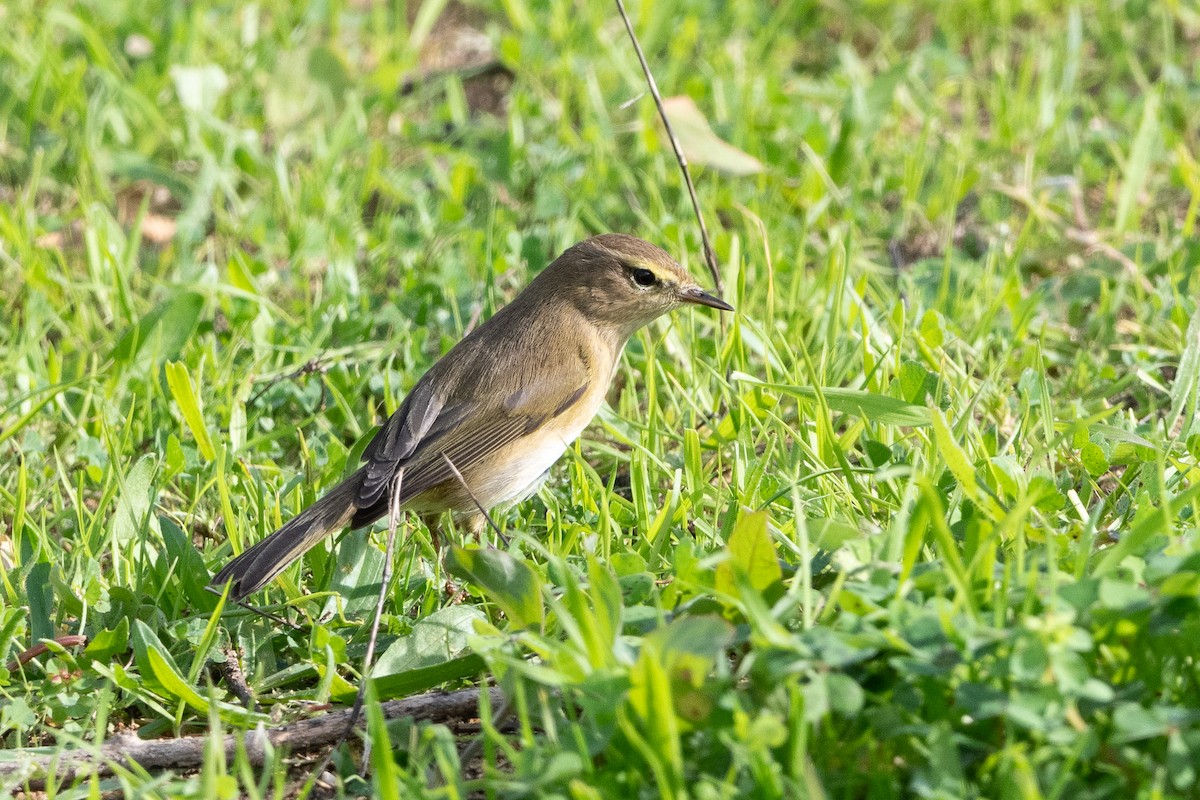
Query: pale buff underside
[514,471]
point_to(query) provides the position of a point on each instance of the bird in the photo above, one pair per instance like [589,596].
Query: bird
[488,419]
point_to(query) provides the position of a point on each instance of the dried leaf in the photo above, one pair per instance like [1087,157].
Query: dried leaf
[701,145]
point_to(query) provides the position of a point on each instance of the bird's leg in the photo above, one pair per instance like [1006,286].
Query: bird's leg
[476,524]
[434,526]
[437,530]
[278,620]
[475,521]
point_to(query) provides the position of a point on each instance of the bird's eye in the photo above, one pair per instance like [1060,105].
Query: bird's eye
[643,277]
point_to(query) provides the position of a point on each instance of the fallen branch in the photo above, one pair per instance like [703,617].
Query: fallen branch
[41,648]
[187,752]
[231,674]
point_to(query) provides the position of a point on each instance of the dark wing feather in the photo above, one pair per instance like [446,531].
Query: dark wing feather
[397,440]
[427,468]
[466,432]
[465,451]
[406,426]
[450,411]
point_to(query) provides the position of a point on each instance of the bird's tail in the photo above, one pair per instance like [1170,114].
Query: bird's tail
[257,566]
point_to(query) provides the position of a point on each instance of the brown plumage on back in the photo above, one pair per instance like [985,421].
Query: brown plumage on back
[502,405]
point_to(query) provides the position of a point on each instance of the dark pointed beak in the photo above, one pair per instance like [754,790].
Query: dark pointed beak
[697,296]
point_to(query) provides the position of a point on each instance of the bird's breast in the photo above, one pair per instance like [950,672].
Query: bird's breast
[515,469]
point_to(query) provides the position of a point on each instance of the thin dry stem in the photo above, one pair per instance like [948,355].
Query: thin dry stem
[710,257]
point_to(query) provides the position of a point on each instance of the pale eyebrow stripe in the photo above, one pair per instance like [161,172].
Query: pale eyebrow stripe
[664,276]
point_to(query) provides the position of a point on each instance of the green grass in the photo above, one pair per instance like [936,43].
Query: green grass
[961,386]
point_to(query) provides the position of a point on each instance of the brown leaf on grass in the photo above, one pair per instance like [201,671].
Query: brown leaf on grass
[54,240]
[69,237]
[158,229]
[457,43]
[701,145]
[131,197]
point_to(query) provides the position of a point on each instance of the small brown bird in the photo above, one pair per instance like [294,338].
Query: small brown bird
[501,406]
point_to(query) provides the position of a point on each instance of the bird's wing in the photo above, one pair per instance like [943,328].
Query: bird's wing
[464,425]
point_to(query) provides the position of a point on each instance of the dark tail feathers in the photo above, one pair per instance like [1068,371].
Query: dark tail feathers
[258,566]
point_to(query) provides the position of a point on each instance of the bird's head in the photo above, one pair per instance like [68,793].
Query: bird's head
[622,282]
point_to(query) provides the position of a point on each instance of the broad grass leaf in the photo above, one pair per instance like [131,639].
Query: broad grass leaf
[1119,435]
[591,617]
[180,384]
[1185,391]
[1151,522]
[961,467]
[133,506]
[40,596]
[356,577]
[176,686]
[172,682]
[653,720]
[208,641]
[12,627]
[354,457]
[1137,166]
[879,408]
[605,595]
[420,679]
[385,778]
[509,582]
[675,660]
[423,24]
[144,639]
[189,565]
[162,676]
[752,553]
[173,321]
[436,639]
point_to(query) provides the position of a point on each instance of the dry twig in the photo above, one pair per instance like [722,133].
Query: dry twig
[187,752]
